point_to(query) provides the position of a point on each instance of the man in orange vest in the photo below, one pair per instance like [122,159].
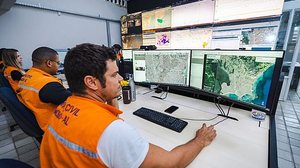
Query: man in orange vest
[38,89]
[87,132]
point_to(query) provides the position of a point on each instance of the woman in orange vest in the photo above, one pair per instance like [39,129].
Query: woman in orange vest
[12,67]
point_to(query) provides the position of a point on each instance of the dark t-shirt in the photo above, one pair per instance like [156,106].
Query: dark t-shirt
[16,75]
[54,93]
[1,66]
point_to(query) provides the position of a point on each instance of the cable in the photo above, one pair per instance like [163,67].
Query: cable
[229,109]
[199,119]
[166,93]
[219,122]
[218,106]
[226,115]
[148,92]
[219,98]
[162,98]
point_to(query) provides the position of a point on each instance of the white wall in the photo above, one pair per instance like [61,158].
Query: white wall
[26,28]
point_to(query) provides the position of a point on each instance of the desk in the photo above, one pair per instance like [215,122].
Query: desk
[239,144]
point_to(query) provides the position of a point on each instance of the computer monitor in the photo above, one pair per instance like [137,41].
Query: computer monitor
[233,10]
[168,67]
[61,56]
[127,54]
[197,66]
[243,76]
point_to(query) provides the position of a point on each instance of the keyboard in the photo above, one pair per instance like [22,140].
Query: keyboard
[161,119]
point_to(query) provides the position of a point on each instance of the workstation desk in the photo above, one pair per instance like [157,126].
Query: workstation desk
[239,144]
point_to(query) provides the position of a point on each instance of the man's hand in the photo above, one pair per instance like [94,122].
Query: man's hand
[205,135]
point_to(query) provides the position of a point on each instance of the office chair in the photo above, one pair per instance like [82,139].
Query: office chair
[21,114]
[9,163]
[3,81]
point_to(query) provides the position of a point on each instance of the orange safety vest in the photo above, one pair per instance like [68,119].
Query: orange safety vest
[28,93]
[7,74]
[72,136]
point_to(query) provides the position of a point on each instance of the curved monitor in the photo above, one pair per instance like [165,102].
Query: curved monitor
[170,67]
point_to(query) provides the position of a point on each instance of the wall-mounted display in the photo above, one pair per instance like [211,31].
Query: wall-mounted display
[149,39]
[201,12]
[255,35]
[234,10]
[206,24]
[163,40]
[132,41]
[131,24]
[259,37]
[159,18]
[191,39]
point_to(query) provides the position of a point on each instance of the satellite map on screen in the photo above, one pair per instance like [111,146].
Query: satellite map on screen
[169,67]
[244,78]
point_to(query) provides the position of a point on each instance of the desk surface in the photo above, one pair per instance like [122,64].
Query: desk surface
[238,143]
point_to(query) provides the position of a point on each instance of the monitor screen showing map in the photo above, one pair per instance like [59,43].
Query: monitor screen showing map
[170,67]
[245,76]
[155,19]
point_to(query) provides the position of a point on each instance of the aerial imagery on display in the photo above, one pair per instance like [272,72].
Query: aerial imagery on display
[170,67]
[243,78]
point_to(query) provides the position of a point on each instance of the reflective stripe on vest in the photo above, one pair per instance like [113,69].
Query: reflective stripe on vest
[29,88]
[72,145]
[8,76]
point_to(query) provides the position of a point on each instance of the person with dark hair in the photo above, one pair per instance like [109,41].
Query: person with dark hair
[13,70]
[38,89]
[118,50]
[87,132]
[120,61]
[1,62]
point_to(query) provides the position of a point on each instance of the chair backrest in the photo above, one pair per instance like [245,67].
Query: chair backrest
[8,163]
[21,114]
[3,81]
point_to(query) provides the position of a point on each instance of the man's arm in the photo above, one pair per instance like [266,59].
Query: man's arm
[16,75]
[54,93]
[182,155]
